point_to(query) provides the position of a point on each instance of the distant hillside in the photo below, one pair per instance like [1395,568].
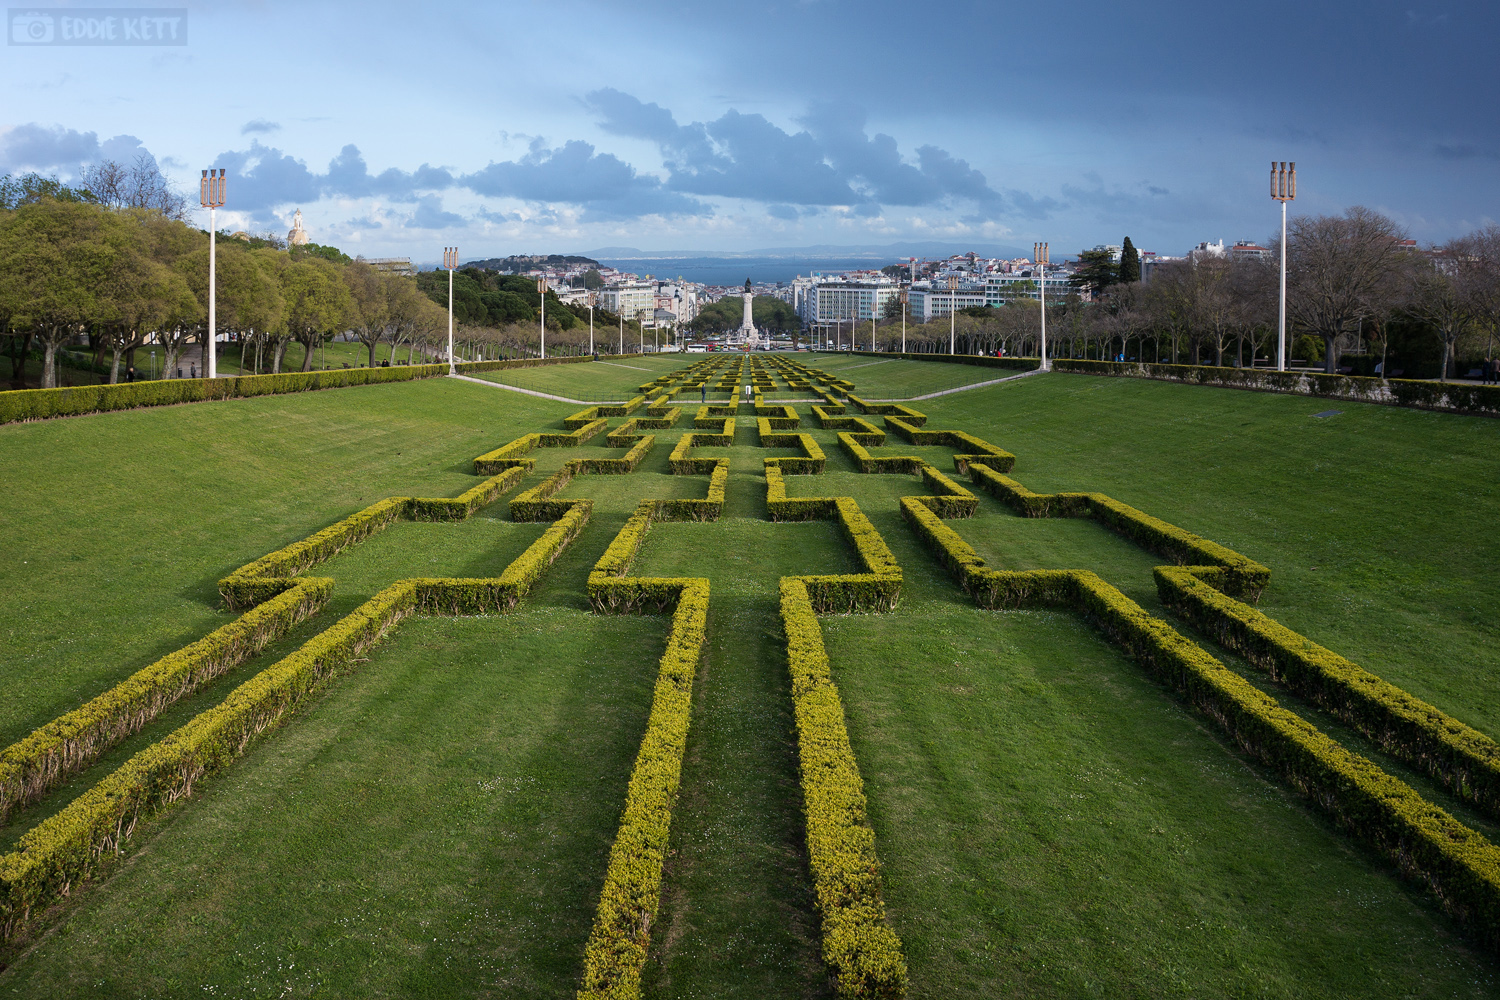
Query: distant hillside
[516,263]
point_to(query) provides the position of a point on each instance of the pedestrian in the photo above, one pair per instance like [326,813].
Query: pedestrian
[193,370]
[130,373]
[703,392]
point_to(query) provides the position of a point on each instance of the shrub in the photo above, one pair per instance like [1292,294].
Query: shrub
[43,404]
[1236,574]
[1455,397]
[1462,758]
[72,741]
[884,463]
[859,947]
[535,505]
[508,456]
[708,509]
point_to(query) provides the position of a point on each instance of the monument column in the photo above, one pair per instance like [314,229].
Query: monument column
[747,325]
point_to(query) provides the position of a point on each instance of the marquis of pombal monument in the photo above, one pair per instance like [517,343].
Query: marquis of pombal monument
[747,325]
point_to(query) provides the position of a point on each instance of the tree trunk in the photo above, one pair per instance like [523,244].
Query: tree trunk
[114,367]
[371,344]
[49,363]
[1447,358]
[1330,354]
[278,356]
[307,356]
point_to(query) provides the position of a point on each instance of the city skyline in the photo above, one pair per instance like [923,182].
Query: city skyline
[789,125]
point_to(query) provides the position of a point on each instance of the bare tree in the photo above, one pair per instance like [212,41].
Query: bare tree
[1341,268]
[1434,296]
[140,185]
[1476,263]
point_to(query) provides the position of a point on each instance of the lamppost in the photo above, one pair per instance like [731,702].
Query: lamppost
[622,325]
[211,196]
[1042,257]
[903,321]
[874,299]
[450,264]
[952,314]
[1284,189]
[541,287]
[592,297]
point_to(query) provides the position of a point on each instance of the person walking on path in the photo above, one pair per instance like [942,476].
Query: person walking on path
[703,392]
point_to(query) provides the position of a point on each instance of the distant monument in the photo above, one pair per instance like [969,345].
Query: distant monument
[747,325]
[298,236]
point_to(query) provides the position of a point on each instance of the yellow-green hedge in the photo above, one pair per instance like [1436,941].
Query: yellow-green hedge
[861,950]
[708,509]
[621,936]
[67,847]
[883,463]
[1461,757]
[1462,866]
[69,743]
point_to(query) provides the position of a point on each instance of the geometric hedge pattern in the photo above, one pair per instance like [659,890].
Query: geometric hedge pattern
[1212,588]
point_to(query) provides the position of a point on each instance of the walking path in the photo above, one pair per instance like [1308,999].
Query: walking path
[530,392]
[962,388]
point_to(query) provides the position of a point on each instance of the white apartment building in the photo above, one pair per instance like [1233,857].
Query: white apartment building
[629,298]
[1023,284]
[925,303]
[832,300]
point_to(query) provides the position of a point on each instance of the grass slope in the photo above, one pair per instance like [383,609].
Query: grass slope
[1052,823]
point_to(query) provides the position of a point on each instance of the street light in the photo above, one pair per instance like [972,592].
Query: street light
[903,321]
[952,314]
[450,264]
[211,196]
[541,287]
[592,297]
[1283,189]
[1043,257]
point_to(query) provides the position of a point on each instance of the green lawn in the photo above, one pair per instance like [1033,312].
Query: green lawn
[891,378]
[605,379]
[1052,822]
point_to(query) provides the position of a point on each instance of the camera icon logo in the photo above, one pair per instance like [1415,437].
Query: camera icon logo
[31,28]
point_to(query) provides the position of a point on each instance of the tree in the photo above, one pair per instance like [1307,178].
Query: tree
[1476,261]
[28,189]
[317,305]
[1341,268]
[369,305]
[1435,297]
[1096,271]
[55,257]
[140,185]
[1130,263]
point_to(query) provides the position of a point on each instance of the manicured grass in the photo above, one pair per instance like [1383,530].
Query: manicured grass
[889,378]
[118,526]
[604,379]
[1052,822]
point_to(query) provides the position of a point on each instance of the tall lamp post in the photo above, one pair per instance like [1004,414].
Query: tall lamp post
[592,297]
[1043,257]
[450,264]
[952,314]
[541,287]
[1284,189]
[211,196]
[903,321]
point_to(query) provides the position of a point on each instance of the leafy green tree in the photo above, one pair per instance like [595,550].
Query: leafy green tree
[1096,271]
[28,189]
[1130,263]
[331,254]
[317,305]
[55,257]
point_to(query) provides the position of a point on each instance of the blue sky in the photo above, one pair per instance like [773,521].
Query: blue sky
[511,128]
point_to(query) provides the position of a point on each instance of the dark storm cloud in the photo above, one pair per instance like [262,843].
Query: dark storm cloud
[833,161]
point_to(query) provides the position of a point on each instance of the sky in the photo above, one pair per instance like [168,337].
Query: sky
[564,127]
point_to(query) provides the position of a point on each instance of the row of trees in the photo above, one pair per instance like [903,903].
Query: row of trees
[1355,284]
[110,262]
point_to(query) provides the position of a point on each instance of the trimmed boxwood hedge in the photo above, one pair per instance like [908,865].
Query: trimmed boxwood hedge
[69,743]
[860,948]
[69,846]
[1237,574]
[1461,866]
[43,404]
[1465,760]
[1454,397]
